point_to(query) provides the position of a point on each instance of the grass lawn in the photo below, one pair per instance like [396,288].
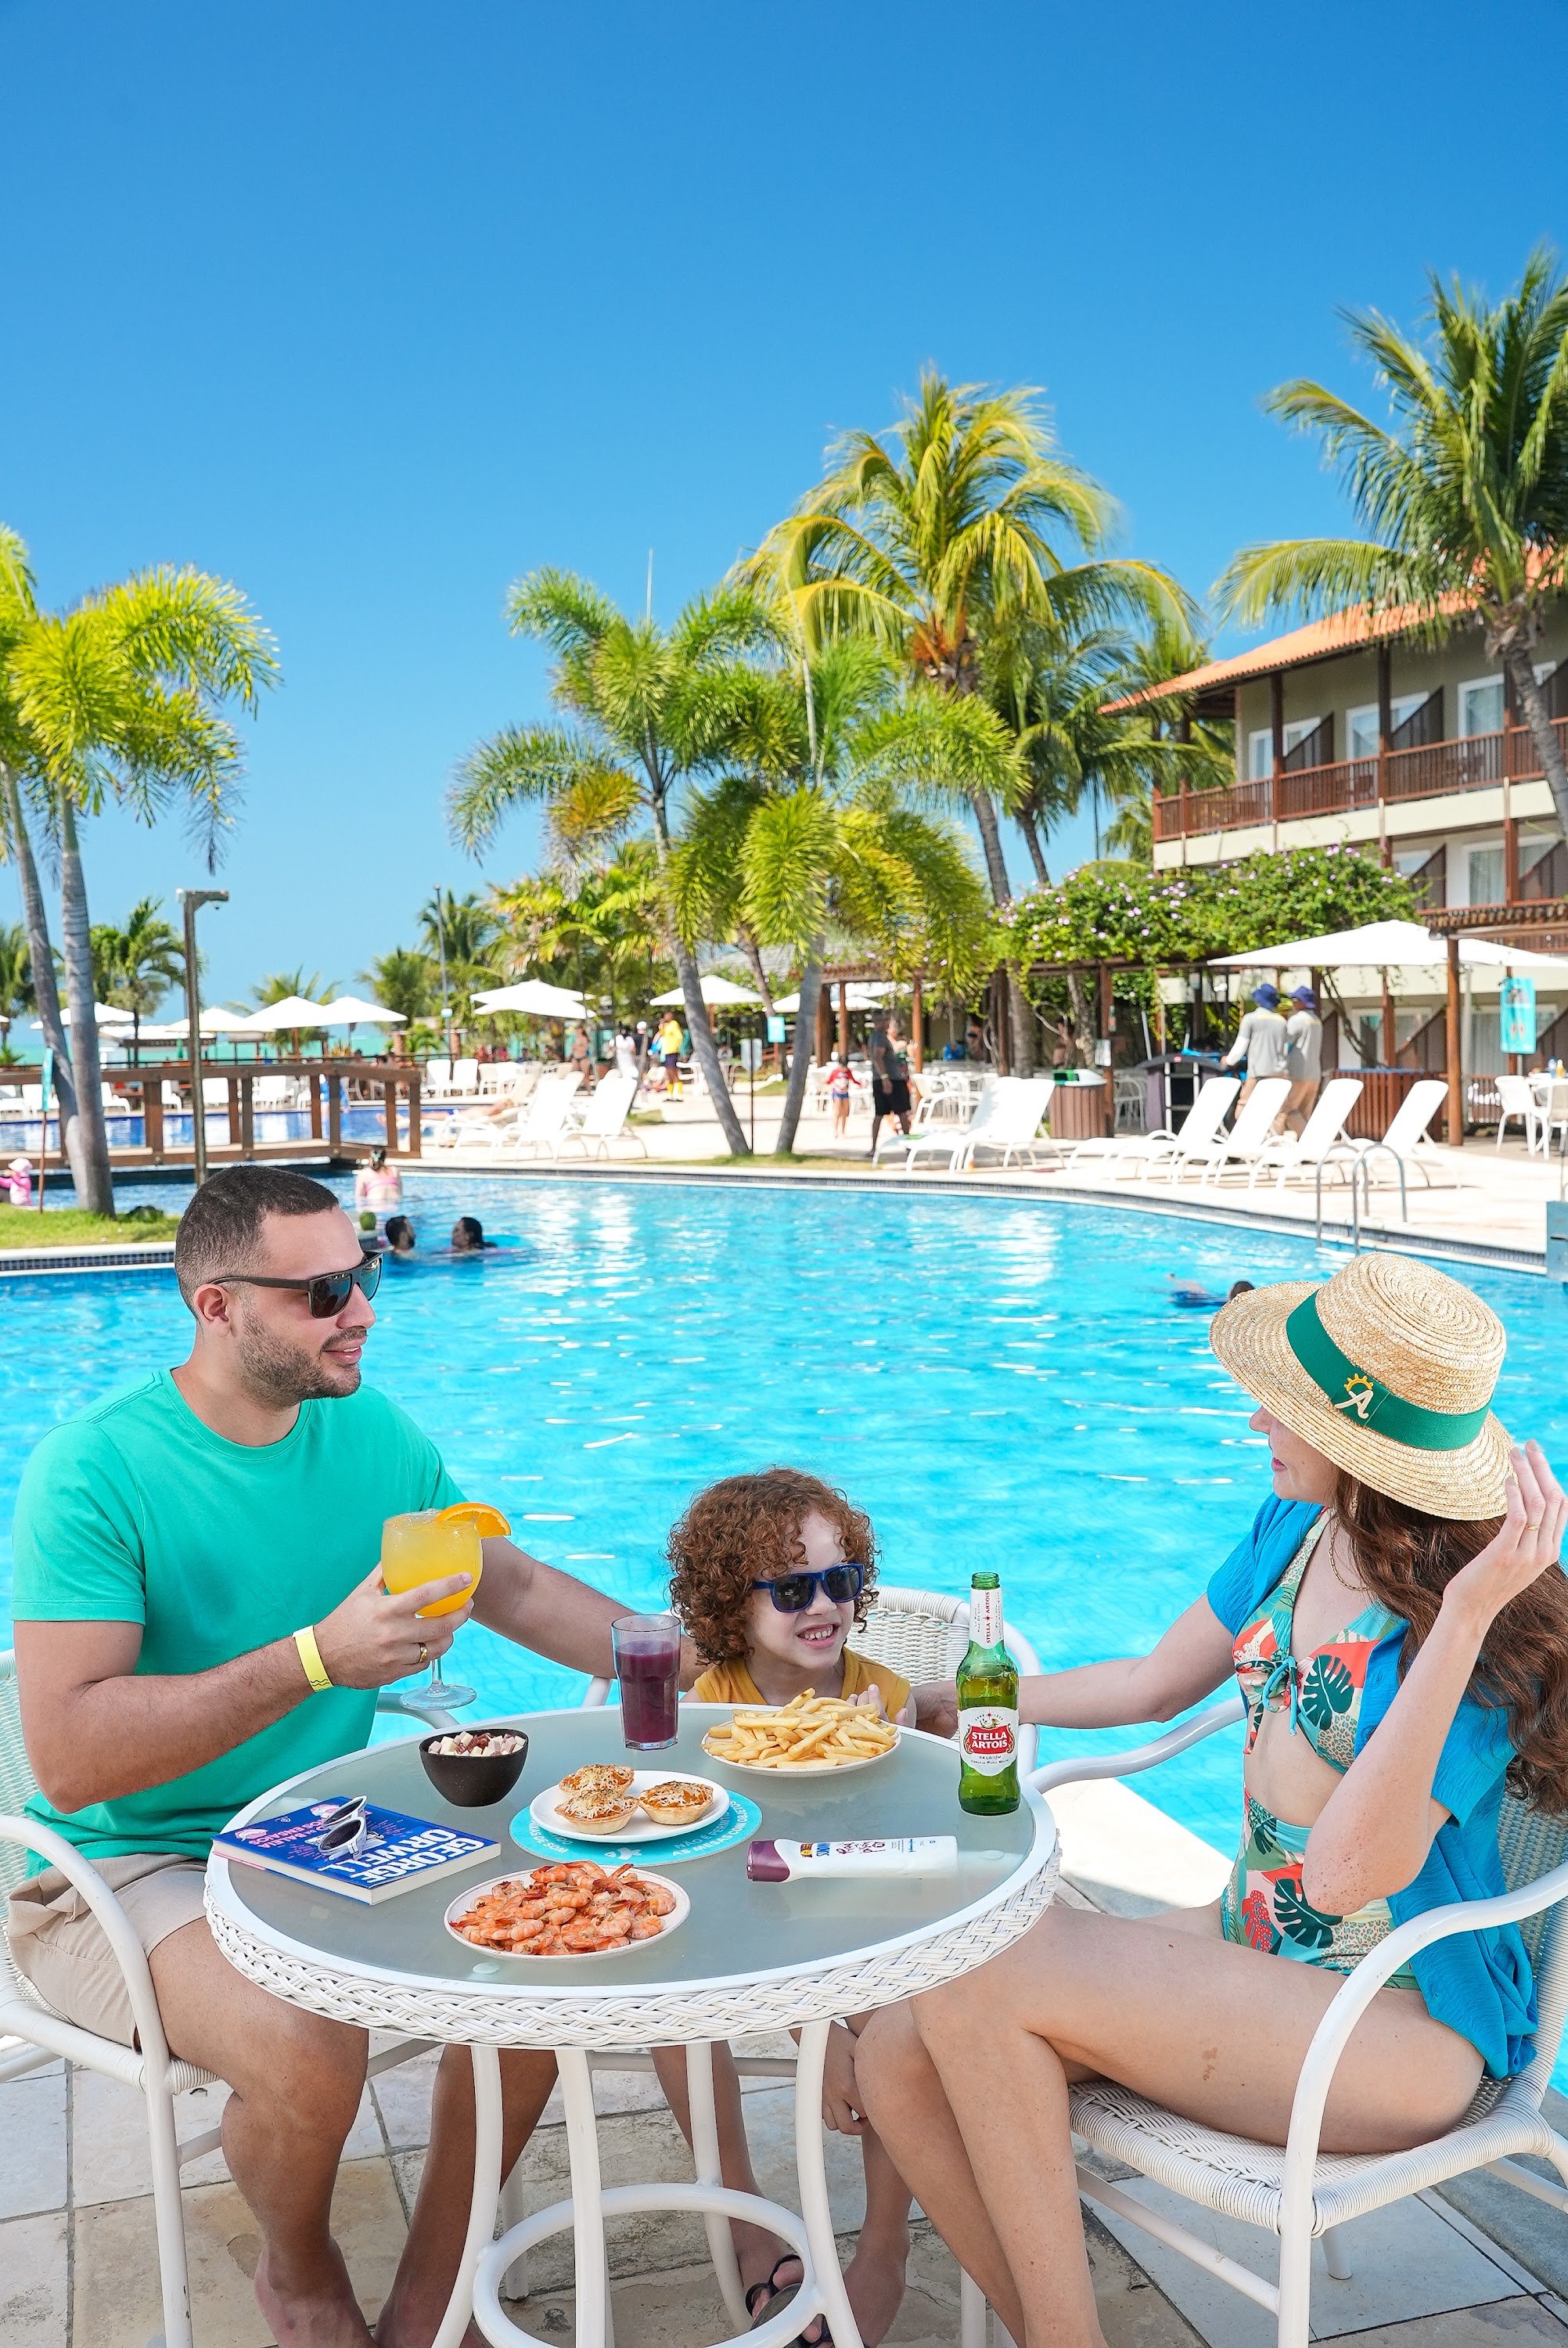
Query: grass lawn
[71,1227]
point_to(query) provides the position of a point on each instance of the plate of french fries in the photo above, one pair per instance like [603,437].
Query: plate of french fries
[806,1737]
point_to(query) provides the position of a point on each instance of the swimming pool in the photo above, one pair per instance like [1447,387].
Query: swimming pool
[1003,1384]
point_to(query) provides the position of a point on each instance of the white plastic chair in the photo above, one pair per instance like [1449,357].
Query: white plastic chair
[437,1078]
[608,1110]
[1298,2191]
[1406,1137]
[949,1141]
[1200,1127]
[1023,1104]
[152,2069]
[1320,1142]
[1520,1099]
[1255,1122]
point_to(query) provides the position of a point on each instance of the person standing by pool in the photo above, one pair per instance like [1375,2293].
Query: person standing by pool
[582,1056]
[378,1187]
[1397,1621]
[1304,1058]
[889,1076]
[670,1050]
[1261,1041]
[626,1059]
[841,1081]
[200,1614]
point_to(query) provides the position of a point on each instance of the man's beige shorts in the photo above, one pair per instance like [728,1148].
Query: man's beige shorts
[57,1941]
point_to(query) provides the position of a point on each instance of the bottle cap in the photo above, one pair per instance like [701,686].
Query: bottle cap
[764,1863]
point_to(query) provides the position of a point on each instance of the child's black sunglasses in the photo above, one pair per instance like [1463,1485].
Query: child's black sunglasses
[792,1593]
[326,1294]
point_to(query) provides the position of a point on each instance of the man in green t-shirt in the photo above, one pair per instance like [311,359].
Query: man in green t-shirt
[200,1614]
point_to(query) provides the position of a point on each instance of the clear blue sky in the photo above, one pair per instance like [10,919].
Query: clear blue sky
[371,308]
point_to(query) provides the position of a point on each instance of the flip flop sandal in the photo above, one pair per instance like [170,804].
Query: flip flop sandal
[761,2298]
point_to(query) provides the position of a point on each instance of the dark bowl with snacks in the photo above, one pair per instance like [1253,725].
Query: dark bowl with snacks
[483,1768]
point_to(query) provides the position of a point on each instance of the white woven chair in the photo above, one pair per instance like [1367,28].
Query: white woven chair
[1297,2191]
[151,2070]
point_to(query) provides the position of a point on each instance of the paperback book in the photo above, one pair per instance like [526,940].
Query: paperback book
[398,1852]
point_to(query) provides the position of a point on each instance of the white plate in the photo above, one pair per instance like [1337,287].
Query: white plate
[476,1892]
[799,1768]
[641,1829]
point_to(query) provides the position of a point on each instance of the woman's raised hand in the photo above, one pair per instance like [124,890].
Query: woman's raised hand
[1529,1539]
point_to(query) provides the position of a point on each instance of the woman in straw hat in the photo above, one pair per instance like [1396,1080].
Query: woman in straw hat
[1397,1621]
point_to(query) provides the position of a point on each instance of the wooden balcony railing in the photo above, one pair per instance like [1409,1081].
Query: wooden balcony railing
[1476,762]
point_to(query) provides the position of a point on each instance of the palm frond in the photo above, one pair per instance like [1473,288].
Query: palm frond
[519,764]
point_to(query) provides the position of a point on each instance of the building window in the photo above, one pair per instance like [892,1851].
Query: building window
[1260,745]
[1480,712]
[1361,724]
[1486,881]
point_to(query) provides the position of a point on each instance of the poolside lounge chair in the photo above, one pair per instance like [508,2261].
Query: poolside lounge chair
[1299,2192]
[1201,1126]
[942,1120]
[945,1136]
[1320,1143]
[542,1121]
[149,2068]
[1406,1137]
[1023,1104]
[605,1122]
[1255,1122]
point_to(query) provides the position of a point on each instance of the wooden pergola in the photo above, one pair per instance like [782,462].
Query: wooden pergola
[1542,926]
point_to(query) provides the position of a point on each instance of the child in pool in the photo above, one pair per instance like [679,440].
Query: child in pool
[769,1574]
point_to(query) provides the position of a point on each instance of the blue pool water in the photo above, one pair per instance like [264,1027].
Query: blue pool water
[1001,1383]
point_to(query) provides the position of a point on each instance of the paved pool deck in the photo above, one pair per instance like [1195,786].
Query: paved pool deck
[1476,2265]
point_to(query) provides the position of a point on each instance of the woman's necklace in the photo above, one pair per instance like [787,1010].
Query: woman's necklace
[1356,1589]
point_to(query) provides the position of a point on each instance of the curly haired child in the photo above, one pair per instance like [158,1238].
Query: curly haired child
[770,1574]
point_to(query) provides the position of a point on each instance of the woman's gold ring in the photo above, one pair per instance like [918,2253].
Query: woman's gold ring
[1532,1524]
[424,1653]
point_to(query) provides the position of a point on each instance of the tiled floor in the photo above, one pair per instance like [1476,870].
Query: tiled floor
[79,2265]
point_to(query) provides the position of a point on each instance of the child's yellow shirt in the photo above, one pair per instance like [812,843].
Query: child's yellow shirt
[732,1683]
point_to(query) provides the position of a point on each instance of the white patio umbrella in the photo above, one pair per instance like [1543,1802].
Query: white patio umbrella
[867,997]
[294,1011]
[717,993]
[535,998]
[104,1015]
[1386,945]
[353,1010]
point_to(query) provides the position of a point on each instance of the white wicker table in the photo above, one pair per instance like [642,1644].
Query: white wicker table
[751,1957]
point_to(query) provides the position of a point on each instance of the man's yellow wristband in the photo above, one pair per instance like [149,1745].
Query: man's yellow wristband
[310,1656]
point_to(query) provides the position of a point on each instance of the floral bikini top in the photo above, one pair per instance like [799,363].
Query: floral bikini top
[1322,1690]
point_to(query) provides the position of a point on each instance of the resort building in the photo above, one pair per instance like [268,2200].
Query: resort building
[1355,731]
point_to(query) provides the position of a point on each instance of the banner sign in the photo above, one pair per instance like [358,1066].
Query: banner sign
[778,1028]
[1516,1010]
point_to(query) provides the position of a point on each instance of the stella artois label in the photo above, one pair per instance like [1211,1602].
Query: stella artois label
[985,1617]
[988,1738]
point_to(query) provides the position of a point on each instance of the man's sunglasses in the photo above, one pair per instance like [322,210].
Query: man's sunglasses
[326,1294]
[792,1593]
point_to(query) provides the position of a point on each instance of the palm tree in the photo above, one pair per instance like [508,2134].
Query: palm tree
[16,979]
[403,979]
[1465,492]
[935,533]
[119,697]
[602,927]
[811,833]
[459,934]
[648,712]
[135,967]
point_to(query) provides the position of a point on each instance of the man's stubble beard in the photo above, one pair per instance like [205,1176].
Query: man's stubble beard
[278,1374]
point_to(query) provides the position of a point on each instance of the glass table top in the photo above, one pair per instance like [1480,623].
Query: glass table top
[737,1930]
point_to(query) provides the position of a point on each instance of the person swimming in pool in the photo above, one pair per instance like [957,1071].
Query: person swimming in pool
[399,1235]
[468,1236]
[1192,1296]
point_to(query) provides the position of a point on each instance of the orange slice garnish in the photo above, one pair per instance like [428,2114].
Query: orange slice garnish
[486,1521]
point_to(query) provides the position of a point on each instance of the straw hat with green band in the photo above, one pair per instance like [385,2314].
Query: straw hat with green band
[1388,1369]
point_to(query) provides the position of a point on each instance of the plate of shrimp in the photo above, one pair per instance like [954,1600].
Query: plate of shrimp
[576,1909]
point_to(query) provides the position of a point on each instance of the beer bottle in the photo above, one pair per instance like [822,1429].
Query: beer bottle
[988,1707]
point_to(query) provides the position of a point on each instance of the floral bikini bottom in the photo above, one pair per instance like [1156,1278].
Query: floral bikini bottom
[1264,1905]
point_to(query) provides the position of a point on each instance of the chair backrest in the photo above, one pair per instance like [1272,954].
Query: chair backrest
[1415,1113]
[1517,1095]
[610,1108]
[547,1112]
[1209,1112]
[17,1784]
[1323,1127]
[1529,1844]
[437,1073]
[988,1102]
[465,1075]
[1258,1112]
[1021,1102]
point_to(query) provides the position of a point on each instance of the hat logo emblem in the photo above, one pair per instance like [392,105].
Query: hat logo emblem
[1360,1391]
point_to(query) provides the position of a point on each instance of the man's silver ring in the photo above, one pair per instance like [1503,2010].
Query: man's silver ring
[424,1653]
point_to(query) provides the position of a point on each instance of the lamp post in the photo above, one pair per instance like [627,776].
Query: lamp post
[190,901]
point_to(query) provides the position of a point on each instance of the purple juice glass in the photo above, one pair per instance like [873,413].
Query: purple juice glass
[648,1665]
